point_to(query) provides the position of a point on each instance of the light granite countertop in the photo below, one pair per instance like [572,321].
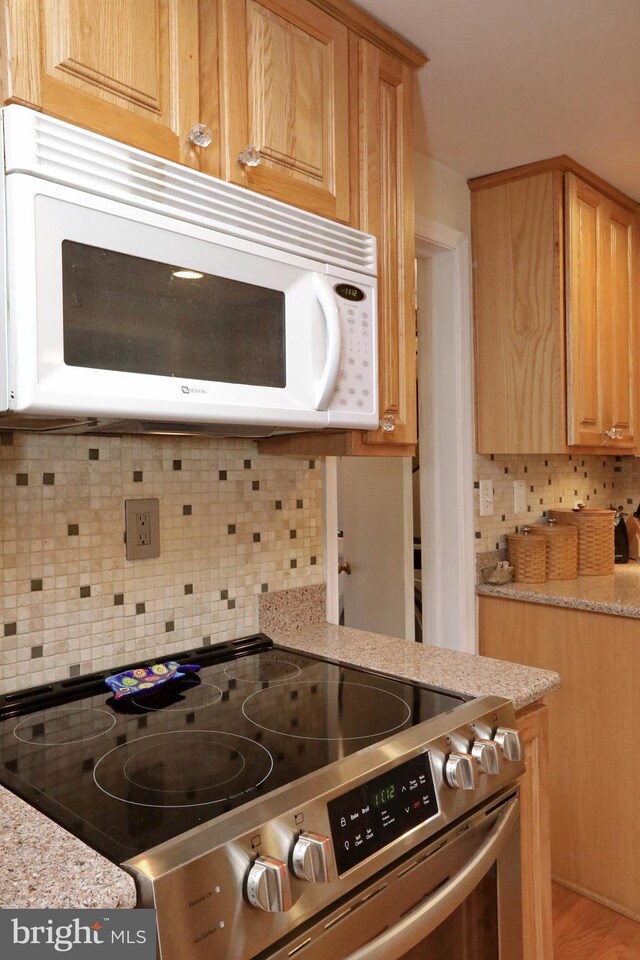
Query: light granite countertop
[450,669]
[617,594]
[45,866]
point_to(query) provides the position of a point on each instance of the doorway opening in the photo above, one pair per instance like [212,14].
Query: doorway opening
[444,480]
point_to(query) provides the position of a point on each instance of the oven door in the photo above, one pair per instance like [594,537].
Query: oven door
[458,898]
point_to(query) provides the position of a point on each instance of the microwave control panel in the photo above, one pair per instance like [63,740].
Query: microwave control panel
[356,385]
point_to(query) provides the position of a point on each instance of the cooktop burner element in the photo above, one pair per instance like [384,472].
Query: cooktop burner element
[364,712]
[158,770]
[62,725]
[126,775]
[269,668]
[187,694]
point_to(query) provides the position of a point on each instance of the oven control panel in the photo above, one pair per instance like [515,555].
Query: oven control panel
[376,813]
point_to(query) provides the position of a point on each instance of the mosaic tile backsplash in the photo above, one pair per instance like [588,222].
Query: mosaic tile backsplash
[550,482]
[233,525]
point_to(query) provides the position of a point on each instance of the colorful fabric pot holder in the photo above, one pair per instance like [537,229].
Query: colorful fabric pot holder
[143,680]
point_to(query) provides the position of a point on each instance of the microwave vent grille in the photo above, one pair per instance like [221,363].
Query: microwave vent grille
[66,154]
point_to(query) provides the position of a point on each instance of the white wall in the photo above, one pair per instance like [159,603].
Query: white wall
[442,194]
[446,415]
[442,199]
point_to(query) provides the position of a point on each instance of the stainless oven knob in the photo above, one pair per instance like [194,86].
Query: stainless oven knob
[268,885]
[485,753]
[312,859]
[461,772]
[509,742]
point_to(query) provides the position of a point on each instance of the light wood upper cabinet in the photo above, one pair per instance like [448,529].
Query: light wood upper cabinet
[126,70]
[600,319]
[518,316]
[283,88]
[387,211]
[555,270]
[382,204]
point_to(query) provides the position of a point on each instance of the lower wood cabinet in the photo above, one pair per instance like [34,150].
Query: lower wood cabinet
[594,718]
[533,723]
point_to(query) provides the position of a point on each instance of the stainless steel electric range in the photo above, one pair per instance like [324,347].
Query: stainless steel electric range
[276,803]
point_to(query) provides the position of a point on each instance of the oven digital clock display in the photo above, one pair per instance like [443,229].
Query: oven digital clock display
[384,796]
[376,813]
[348,292]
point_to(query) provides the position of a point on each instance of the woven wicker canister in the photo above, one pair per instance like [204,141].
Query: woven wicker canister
[596,550]
[562,549]
[528,557]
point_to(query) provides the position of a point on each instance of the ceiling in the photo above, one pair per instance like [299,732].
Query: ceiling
[512,81]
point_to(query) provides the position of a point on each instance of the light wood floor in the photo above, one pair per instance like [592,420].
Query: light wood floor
[585,930]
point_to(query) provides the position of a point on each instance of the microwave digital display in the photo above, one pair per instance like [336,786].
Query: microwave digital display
[349,292]
[133,315]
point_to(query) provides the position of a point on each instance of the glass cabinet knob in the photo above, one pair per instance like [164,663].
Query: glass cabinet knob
[250,156]
[200,135]
[388,422]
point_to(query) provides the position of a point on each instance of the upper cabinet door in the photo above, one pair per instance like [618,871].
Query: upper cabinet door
[621,318]
[600,327]
[518,307]
[283,89]
[124,69]
[387,211]
[585,224]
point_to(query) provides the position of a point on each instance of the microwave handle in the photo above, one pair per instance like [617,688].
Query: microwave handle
[419,923]
[327,382]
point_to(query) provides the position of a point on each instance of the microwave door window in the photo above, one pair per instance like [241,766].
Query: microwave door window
[133,315]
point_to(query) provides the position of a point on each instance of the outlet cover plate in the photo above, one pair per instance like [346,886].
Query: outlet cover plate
[519,496]
[142,528]
[486,498]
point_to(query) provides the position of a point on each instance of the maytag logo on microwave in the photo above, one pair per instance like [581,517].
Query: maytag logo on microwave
[191,390]
[83,934]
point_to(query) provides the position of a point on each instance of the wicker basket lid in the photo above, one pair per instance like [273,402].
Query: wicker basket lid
[551,530]
[521,537]
[584,511]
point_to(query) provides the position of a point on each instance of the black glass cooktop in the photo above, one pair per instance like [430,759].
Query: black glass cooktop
[125,775]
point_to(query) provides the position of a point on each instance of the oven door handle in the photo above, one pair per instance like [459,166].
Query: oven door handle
[419,923]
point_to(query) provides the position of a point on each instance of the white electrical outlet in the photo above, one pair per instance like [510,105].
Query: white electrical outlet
[486,498]
[519,496]
[142,528]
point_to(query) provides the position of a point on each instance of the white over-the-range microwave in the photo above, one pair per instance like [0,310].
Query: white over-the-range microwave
[141,295]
